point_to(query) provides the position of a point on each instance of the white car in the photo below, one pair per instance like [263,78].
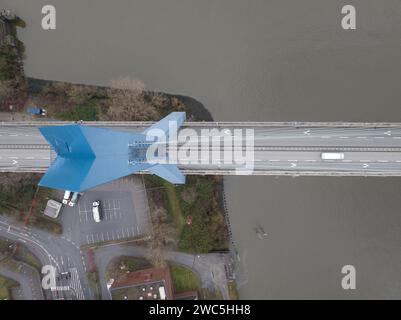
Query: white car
[332,156]
[96,211]
[74,199]
[67,195]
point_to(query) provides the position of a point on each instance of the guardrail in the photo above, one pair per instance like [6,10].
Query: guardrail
[209,124]
[289,173]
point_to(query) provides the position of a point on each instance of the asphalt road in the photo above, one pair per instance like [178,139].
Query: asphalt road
[292,149]
[29,283]
[60,252]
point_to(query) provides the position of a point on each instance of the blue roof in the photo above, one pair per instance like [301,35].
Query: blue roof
[89,156]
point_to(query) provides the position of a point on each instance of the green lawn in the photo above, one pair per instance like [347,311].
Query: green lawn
[174,207]
[198,202]
[24,255]
[84,113]
[123,264]
[232,290]
[93,280]
[4,244]
[183,279]
[5,286]
[16,194]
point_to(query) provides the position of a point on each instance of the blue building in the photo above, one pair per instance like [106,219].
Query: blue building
[88,156]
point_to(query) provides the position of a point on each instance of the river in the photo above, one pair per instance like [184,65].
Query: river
[264,60]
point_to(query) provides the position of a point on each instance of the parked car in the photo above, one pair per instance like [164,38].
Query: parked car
[67,195]
[74,199]
[96,211]
[36,111]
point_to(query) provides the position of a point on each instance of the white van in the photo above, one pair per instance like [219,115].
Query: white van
[96,211]
[332,155]
[67,195]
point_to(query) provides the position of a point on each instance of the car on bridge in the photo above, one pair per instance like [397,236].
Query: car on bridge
[332,156]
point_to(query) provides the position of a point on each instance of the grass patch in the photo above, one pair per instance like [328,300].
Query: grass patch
[5,286]
[126,264]
[93,280]
[24,255]
[199,200]
[4,246]
[85,113]
[198,203]
[16,193]
[232,290]
[183,279]
[174,207]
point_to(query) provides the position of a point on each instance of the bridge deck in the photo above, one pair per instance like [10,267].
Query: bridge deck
[287,148]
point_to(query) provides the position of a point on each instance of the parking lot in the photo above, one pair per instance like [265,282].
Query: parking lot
[123,212]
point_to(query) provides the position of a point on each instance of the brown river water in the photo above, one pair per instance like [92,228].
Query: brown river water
[260,60]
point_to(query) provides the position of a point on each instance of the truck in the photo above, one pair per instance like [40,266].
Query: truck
[332,155]
[36,111]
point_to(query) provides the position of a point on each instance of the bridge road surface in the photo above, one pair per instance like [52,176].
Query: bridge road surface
[279,148]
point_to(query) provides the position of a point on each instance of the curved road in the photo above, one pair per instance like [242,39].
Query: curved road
[30,285]
[57,251]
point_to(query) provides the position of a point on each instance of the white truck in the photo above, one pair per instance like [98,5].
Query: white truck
[67,196]
[332,155]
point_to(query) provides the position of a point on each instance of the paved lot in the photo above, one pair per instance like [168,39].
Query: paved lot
[124,213]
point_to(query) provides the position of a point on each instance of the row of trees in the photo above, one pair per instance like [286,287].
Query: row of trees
[13,86]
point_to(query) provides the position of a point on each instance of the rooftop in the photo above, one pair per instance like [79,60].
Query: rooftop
[52,209]
[147,284]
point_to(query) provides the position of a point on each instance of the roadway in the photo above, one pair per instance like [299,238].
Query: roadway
[30,287]
[279,148]
[58,251]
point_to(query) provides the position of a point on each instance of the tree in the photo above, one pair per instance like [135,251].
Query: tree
[129,101]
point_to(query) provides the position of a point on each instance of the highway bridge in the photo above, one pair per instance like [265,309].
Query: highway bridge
[280,148]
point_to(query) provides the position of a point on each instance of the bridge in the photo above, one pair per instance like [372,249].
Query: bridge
[280,148]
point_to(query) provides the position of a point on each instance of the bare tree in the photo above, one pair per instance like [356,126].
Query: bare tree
[129,101]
